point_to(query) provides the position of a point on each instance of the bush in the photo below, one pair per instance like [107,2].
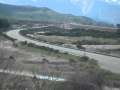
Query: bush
[24,43]
[4,35]
[11,57]
[93,62]
[39,47]
[85,58]
[72,60]
[44,60]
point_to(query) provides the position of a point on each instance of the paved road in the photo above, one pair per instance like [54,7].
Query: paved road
[106,62]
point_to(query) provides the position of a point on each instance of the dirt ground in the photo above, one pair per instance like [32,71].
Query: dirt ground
[34,62]
[113,50]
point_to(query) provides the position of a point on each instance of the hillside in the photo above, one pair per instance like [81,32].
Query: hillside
[42,14]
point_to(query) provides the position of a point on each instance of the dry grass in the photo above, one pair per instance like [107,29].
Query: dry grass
[69,40]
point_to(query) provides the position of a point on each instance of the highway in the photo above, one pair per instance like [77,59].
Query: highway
[106,62]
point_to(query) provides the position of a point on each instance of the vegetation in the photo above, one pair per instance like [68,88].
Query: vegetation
[33,48]
[118,31]
[85,58]
[78,32]
[7,37]
[80,46]
[86,75]
[71,33]
[4,24]
[2,38]
[40,47]
[89,42]
[57,43]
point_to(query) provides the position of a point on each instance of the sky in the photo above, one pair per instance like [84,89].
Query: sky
[64,6]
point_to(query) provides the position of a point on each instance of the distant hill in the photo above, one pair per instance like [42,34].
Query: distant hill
[43,14]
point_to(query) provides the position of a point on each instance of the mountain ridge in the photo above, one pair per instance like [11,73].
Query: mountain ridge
[43,14]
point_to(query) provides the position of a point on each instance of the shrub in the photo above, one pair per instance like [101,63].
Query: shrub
[93,62]
[72,60]
[84,58]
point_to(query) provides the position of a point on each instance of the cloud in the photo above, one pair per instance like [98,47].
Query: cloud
[84,5]
[87,5]
[113,1]
[109,1]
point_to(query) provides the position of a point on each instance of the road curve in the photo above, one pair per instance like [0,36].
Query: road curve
[106,62]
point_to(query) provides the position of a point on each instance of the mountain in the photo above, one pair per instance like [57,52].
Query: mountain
[42,14]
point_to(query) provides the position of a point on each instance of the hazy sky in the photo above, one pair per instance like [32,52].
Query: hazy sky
[37,2]
[64,6]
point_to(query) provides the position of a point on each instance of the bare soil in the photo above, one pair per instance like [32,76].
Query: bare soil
[36,61]
[113,50]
